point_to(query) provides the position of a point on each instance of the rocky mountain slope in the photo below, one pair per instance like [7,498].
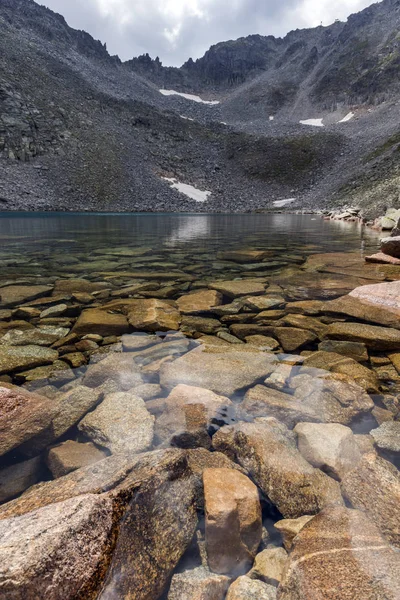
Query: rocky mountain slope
[80,130]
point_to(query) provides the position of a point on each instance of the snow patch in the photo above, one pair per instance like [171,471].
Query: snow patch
[186,118]
[188,97]
[313,122]
[347,118]
[189,190]
[271,118]
[281,203]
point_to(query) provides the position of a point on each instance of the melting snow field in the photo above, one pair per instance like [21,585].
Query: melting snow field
[188,190]
[313,122]
[281,203]
[347,118]
[188,97]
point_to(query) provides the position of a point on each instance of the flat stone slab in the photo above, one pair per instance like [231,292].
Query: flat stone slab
[382,258]
[13,295]
[224,374]
[20,358]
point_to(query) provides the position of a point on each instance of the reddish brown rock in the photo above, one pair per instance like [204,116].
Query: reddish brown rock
[100,322]
[22,416]
[233,520]
[201,301]
[70,456]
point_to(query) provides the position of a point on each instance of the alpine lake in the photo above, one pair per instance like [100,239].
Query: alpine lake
[197,407]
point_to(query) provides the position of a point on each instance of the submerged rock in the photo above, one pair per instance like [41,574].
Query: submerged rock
[70,456]
[154,315]
[269,566]
[328,446]
[374,487]
[197,302]
[101,322]
[387,436]
[222,373]
[245,588]
[375,338]
[341,555]
[19,358]
[267,450]
[17,478]
[13,295]
[118,368]
[189,413]
[56,552]
[22,416]
[198,584]
[233,520]
[120,423]
[238,288]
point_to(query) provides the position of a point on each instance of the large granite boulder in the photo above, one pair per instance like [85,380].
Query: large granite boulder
[267,450]
[120,423]
[233,520]
[374,487]
[341,555]
[22,416]
[391,246]
[57,552]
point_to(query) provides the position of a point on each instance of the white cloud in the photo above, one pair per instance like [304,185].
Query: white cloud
[178,29]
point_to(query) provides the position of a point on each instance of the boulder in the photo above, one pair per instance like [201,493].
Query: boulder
[233,520]
[198,584]
[267,450]
[69,408]
[154,315]
[341,555]
[269,566]
[58,551]
[118,368]
[17,478]
[374,487]
[387,436]
[20,358]
[101,322]
[189,414]
[384,296]
[22,416]
[120,423]
[329,446]
[116,470]
[197,302]
[382,258]
[289,528]
[70,456]
[391,246]
[13,295]
[156,530]
[239,287]
[224,374]
[245,588]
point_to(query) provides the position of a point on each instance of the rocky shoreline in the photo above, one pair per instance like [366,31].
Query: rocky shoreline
[165,435]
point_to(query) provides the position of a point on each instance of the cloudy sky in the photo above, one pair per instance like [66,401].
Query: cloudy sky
[175,30]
